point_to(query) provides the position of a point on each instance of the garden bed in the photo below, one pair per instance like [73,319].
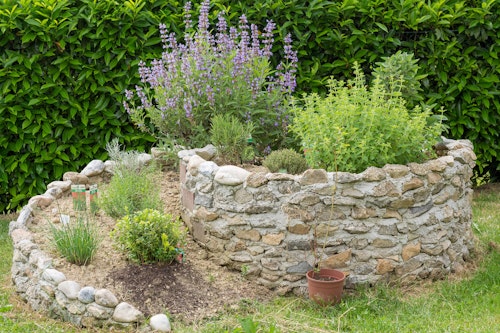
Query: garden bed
[189,291]
[399,223]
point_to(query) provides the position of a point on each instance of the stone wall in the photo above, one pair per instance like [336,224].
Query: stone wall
[399,222]
[46,289]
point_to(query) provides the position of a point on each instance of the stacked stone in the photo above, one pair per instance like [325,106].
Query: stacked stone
[398,222]
[46,289]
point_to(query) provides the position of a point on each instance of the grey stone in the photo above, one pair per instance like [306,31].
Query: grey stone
[76,178]
[70,289]
[63,185]
[18,235]
[106,298]
[396,170]
[53,276]
[301,268]
[160,323]
[208,169]
[86,295]
[126,313]
[313,176]
[193,164]
[42,201]
[94,168]
[55,192]
[373,174]
[40,260]
[99,311]
[417,211]
[25,215]
[207,153]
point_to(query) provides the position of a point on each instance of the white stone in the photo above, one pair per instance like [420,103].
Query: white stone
[126,313]
[53,276]
[64,185]
[94,168]
[160,323]
[106,298]
[194,162]
[109,166]
[231,175]
[69,288]
[144,158]
[208,168]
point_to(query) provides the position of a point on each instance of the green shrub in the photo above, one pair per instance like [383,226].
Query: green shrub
[77,241]
[285,159]
[230,137]
[399,74]
[353,128]
[149,236]
[133,187]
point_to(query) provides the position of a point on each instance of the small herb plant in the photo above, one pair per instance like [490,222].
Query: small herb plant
[133,186]
[230,137]
[78,240]
[227,71]
[354,127]
[150,236]
[285,160]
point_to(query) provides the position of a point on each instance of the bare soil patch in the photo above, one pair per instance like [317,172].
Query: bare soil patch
[189,291]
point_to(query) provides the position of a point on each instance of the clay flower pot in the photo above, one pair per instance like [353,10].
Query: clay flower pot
[325,286]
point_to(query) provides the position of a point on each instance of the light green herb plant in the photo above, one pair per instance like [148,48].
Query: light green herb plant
[359,127]
[150,236]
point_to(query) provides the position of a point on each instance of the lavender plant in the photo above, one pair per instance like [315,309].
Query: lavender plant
[226,70]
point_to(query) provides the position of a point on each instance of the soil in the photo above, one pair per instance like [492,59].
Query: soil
[189,291]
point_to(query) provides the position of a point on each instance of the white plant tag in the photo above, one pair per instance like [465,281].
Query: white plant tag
[64,219]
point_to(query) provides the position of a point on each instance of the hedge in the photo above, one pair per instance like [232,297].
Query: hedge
[65,64]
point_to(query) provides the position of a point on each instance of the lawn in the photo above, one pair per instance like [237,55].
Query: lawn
[466,303]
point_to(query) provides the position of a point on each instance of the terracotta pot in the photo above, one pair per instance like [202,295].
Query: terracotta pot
[325,286]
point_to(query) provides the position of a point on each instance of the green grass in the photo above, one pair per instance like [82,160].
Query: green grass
[77,241]
[469,304]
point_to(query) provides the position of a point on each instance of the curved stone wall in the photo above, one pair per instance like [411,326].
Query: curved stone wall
[46,289]
[399,222]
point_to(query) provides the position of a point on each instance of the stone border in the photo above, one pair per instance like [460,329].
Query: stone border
[46,289]
[399,222]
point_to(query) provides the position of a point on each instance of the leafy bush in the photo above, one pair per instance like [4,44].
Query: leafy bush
[399,73]
[227,72]
[63,68]
[77,241]
[353,128]
[133,186]
[230,137]
[149,236]
[287,159]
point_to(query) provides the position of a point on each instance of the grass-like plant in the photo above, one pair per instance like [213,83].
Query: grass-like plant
[133,186]
[77,240]
[150,236]
[229,135]
[354,127]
